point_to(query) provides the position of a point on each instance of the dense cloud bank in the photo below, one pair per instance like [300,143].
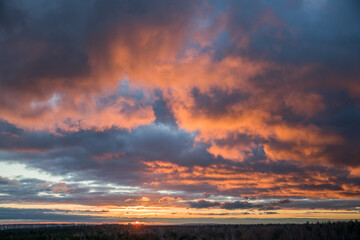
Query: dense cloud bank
[243,99]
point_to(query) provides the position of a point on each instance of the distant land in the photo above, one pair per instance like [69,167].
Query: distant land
[331,230]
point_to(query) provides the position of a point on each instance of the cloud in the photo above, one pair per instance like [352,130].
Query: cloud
[205,195]
[144,199]
[350,204]
[57,73]
[228,205]
[204,204]
[49,215]
[232,69]
[330,204]
[271,213]
[141,199]
[7,181]
[168,199]
[163,157]
[239,205]
[61,188]
[243,100]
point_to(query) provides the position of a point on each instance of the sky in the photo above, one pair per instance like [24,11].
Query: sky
[193,111]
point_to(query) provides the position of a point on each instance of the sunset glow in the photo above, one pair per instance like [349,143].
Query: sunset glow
[171,112]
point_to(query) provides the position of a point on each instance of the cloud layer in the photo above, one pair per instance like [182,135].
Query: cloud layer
[242,103]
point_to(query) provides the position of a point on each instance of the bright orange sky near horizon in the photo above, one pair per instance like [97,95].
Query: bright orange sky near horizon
[179,111]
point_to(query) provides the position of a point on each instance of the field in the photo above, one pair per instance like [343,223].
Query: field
[336,230]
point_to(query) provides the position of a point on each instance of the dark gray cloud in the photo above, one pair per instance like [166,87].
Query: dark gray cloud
[330,204]
[271,212]
[114,151]
[7,181]
[50,215]
[217,102]
[238,204]
[162,111]
[297,31]
[349,204]
[204,204]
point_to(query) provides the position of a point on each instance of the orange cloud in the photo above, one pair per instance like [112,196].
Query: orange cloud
[168,199]
[61,188]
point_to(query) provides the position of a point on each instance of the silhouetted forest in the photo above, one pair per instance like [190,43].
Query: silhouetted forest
[336,230]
